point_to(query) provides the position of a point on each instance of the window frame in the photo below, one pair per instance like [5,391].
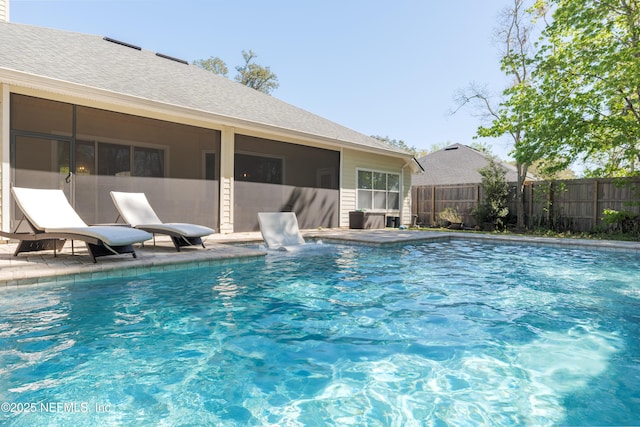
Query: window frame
[266,156]
[205,154]
[378,191]
[131,145]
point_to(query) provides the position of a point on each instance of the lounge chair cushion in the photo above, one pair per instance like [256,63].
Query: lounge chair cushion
[280,229]
[46,209]
[110,235]
[179,228]
[49,210]
[136,210]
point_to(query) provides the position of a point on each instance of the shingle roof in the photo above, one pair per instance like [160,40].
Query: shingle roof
[456,164]
[92,61]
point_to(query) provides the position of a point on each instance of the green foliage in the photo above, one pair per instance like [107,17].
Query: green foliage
[482,147]
[514,116]
[397,144]
[450,215]
[587,84]
[213,64]
[250,74]
[625,222]
[493,209]
[256,76]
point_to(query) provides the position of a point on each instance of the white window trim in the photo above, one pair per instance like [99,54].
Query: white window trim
[399,175]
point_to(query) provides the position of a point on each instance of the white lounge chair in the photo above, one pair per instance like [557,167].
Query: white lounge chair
[53,221]
[280,231]
[135,209]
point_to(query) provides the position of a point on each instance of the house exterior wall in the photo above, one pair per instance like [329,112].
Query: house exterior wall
[4,10]
[227,151]
[275,176]
[4,156]
[405,217]
[352,161]
[170,162]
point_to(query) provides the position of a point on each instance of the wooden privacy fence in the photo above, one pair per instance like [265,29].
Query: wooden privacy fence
[575,205]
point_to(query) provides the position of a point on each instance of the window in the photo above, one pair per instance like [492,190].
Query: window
[326,178]
[378,191]
[148,162]
[253,168]
[116,160]
[210,166]
[85,158]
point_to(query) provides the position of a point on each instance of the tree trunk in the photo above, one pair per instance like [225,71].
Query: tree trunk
[520,213]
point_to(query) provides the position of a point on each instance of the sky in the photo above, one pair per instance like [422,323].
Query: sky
[380,67]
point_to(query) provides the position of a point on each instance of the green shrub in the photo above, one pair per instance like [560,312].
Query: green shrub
[626,222]
[493,209]
[449,216]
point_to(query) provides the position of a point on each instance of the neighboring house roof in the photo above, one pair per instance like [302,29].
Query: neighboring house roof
[30,54]
[457,164]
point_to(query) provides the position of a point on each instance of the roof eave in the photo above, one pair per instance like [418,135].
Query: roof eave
[61,87]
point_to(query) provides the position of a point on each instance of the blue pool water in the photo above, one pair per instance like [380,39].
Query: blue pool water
[444,334]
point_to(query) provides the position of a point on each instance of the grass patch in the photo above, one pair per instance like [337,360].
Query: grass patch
[625,237]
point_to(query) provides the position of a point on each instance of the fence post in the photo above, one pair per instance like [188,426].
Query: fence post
[433,204]
[550,206]
[595,205]
[541,202]
[530,222]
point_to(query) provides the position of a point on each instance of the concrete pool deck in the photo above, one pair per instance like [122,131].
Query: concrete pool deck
[42,267]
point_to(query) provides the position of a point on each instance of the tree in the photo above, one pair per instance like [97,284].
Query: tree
[256,76]
[398,144]
[213,64]
[539,171]
[512,116]
[588,78]
[482,147]
[437,147]
[493,208]
[250,74]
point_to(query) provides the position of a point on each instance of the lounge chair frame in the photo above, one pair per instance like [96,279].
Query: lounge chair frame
[38,240]
[52,221]
[178,237]
[179,240]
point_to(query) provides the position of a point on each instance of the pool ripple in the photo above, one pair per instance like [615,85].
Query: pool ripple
[446,333]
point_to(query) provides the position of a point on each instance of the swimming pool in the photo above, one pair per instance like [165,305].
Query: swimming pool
[442,333]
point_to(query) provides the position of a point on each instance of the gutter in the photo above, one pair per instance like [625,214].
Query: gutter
[415,165]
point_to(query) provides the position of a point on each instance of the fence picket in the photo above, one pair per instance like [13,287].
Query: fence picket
[576,205]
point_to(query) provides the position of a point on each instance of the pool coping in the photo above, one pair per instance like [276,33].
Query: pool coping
[44,268]
[388,237]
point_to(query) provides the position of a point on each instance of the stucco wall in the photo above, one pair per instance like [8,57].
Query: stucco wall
[352,161]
